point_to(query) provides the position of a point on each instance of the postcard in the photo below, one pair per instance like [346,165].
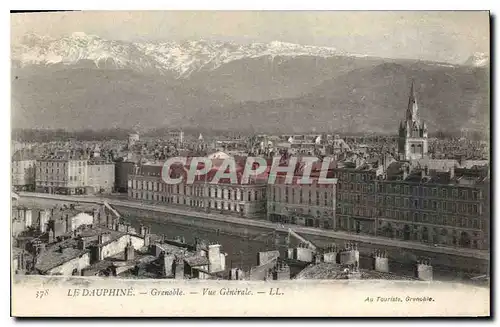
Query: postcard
[250,164]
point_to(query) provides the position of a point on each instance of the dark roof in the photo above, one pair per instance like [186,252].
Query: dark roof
[57,254]
[196,260]
[22,155]
[326,270]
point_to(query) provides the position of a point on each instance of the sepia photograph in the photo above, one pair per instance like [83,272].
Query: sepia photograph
[237,163]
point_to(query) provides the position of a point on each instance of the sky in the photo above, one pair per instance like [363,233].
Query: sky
[446,36]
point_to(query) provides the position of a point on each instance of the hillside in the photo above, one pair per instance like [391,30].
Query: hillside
[83,81]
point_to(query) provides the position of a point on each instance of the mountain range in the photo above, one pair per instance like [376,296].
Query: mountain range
[83,81]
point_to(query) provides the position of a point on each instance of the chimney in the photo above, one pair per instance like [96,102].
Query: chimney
[82,245]
[143,230]
[27,218]
[423,270]
[95,215]
[381,261]
[179,268]
[104,237]
[317,258]
[350,254]
[215,263]
[42,220]
[330,254]
[281,271]
[129,251]
[68,224]
[452,172]
[167,264]
[21,263]
[52,236]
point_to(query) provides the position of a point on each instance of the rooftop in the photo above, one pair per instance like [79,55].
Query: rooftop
[326,270]
[61,252]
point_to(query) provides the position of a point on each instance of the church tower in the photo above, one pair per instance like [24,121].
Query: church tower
[412,132]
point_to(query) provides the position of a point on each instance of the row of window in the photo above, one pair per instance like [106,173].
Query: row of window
[462,222]
[305,212]
[409,216]
[419,204]
[222,205]
[463,194]
[61,178]
[291,195]
[63,163]
[354,177]
[223,193]
[57,171]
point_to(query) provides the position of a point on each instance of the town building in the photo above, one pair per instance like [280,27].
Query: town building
[123,168]
[23,170]
[133,138]
[101,176]
[64,172]
[311,205]
[413,143]
[177,136]
[72,172]
[241,199]
[436,201]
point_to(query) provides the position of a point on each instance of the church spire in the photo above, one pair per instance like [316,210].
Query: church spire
[412,111]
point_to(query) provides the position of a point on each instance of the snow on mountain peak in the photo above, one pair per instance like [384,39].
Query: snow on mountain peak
[478,59]
[81,35]
[181,58]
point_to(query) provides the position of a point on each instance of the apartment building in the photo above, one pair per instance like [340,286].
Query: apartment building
[63,173]
[23,170]
[311,205]
[244,200]
[101,176]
